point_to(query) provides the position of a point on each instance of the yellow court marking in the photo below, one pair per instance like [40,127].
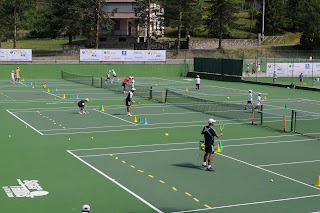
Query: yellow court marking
[174,188]
[209,207]
[195,199]
[132,166]
[140,171]
[188,194]
[161,181]
[151,176]
[123,161]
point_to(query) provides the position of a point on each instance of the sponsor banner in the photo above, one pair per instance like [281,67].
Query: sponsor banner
[19,54]
[90,55]
[293,69]
[25,188]
[123,55]
[15,54]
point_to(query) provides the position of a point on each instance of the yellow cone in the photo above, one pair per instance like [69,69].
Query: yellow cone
[318,182]
[218,148]
[187,90]
[102,108]
[135,119]
[48,90]
[64,96]
[23,79]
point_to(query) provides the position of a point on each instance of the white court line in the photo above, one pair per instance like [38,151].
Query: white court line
[117,183]
[169,150]
[48,93]
[166,80]
[266,170]
[252,203]
[24,122]
[315,212]
[297,162]
[182,143]
[115,117]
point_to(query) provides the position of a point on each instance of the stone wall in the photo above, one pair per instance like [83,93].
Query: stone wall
[226,43]
[118,42]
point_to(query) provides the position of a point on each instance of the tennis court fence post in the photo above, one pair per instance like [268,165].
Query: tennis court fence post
[150,93]
[295,121]
[292,118]
[92,81]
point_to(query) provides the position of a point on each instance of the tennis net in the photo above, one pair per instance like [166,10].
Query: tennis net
[307,124]
[227,110]
[81,79]
[273,121]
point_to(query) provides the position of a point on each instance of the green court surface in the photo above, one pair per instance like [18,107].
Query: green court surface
[55,159]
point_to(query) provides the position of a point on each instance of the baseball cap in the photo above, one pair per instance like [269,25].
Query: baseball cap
[211,121]
[18,67]
[87,99]
[86,208]
[259,93]
[250,90]
[198,76]
[133,89]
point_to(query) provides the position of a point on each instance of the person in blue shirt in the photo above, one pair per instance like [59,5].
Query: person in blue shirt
[301,78]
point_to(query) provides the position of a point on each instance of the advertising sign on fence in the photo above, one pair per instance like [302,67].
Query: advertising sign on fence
[293,69]
[15,54]
[122,55]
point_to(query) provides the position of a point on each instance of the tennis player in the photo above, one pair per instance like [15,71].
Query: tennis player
[18,74]
[130,101]
[12,77]
[301,78]
[82,106]
[209,133]
[114,75]
[132,82]
[198,82]
[249,100]
[108,77]
[85,208]
[258,102]
[125,81]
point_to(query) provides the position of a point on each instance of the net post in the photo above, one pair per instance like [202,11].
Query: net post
[101,79]
[252,119]
[92,81]
[261,115]
[292,117]
[165,99]
[295,121]
[284,123]
[150,93]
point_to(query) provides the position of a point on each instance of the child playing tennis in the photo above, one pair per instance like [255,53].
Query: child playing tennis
[82,106]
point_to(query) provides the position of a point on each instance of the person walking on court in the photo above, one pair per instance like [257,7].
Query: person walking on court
[301,78]
[275,76]
[108,77]
[258,102]
[82,106]
[209,133]
[125,82]
[18,71]
[114,75]
[247,70]
[130,101]
[249,100]
[198,82]
[12,77]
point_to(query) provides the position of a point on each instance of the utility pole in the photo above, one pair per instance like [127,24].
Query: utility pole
[263,14]
[98,5]
[15,25]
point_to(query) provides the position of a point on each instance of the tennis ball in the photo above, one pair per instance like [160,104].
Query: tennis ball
[166,134]
[9,136]
[91,137]
[271,180]
[228,97]
[32,87]
[69,139]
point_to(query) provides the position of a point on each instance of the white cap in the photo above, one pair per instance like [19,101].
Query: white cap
[133,89]
[198,76]
[85,208]
[87,99]
[211,121]
[250,90]
[132,77]
[259,93]
[18,67]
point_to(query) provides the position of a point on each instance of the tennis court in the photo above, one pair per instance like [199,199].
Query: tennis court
[118,163]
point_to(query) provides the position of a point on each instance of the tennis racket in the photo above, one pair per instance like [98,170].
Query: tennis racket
[201,145]
[264,98]
[221,125]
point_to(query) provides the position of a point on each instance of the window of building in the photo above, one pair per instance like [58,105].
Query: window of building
[122,39]
[117,24]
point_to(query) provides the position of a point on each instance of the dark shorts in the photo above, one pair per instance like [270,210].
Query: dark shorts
[209,148]
[80,106]
[249,102]
[123,84]
[128,103]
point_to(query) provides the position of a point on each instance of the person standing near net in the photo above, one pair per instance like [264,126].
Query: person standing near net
[108,77]
[258,102]
[209,133]
[18,71]
[130,101]
[247,70]
[125,82]
[114,75]
[82,106]
[249,100]
[13,77]
[301,78]
[198,82]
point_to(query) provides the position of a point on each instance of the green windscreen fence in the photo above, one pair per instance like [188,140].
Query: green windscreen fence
[218,66]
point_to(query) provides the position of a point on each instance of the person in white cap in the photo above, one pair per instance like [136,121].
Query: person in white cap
[82,105]
[130,101]
[132,82]
[209,133]
[114,75]
[198,82]
[249,100]
[85,208]
[258,102]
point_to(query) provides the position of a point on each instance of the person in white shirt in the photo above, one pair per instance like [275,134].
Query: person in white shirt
[247,70]
[132,82]
[198,82]
[258,102]
[249,100]
[130,101]
[108,76]
[13,77]
[275,76]
[259,67]
[114,75]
